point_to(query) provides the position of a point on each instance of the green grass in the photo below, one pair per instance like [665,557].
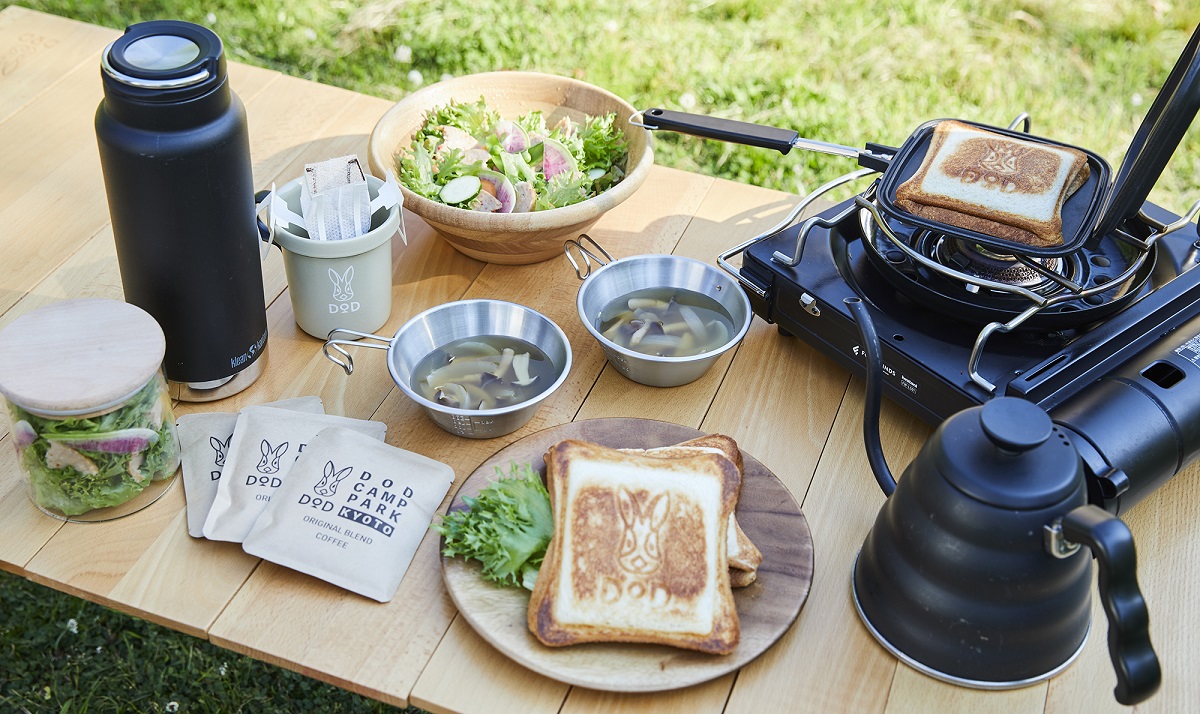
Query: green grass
[61,654]
[843,71]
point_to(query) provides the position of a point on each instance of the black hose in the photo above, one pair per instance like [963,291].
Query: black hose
[874,396]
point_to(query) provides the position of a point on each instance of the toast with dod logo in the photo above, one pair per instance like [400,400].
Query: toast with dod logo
[744,556]
[639,551]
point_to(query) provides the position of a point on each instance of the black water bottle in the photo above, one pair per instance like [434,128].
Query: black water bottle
[176,160]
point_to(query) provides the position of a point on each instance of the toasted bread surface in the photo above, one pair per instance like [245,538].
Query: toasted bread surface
[994,184]
[639,550]
[743,554]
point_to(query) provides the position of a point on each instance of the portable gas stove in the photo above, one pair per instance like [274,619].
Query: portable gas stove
[959,324]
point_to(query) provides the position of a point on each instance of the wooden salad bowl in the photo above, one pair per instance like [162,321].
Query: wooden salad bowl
[512,238]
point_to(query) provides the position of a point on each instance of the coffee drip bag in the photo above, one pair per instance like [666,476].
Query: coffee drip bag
[266,443]
[205,438]
[352,512]
[336,202]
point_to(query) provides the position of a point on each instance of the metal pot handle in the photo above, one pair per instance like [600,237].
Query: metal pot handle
[1138,671]
[585,255]
[336,346]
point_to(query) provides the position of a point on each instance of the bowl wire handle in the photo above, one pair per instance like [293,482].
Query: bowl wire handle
[336,345]
[585,255]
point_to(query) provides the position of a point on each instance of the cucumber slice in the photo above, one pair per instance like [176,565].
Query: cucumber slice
[460,189]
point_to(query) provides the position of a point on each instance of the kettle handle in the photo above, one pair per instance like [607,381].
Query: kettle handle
[1133,657]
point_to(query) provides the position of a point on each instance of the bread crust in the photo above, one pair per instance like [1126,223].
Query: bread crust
[990,183]
[685,598]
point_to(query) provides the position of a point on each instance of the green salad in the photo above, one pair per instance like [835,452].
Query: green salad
[466,155]
[79,464]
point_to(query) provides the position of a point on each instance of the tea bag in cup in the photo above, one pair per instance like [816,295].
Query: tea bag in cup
[266,442]
[352,512]
[205,438]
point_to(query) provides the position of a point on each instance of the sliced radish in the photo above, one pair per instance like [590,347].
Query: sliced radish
[502,189]
[556,159]
[124,441]
[513,138]
[458,190]
[23,434]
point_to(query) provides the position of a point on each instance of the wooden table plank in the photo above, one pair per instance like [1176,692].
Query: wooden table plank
[832,664]
[40,50]
[793,409]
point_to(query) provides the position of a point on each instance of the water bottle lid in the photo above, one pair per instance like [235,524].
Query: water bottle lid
[166,59]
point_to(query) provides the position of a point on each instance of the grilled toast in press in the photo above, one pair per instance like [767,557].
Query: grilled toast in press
[743,554]
[638,552]
[1000,186]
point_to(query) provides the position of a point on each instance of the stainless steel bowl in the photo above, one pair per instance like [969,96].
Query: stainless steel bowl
[452,321]
[618,278]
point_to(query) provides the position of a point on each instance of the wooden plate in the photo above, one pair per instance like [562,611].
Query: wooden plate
[767,608]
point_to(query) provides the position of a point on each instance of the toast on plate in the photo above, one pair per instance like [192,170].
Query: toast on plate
[639,550]
[743,554]
[994,184]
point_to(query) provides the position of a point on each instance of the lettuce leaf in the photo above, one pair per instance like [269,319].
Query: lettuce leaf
[506,527]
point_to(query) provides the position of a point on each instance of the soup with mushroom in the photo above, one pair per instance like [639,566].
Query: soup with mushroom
[488,372]
[666,322]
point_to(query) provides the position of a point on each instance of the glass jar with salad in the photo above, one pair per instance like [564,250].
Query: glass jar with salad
[88,410]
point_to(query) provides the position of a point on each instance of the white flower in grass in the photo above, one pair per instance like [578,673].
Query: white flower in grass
[415,77]
[1136,100]
[172,706]
[687,100]
[210,18]
[611,26]
[310,34]
[73,626]
[402,54]
[223,669]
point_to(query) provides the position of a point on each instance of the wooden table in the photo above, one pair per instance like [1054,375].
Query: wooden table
[787,405]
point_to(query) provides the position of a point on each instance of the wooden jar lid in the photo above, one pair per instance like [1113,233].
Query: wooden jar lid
[76,356]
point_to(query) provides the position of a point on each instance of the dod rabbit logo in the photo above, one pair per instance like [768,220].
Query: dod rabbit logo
[326,488]
[343,292]
[219,447]
[269,463]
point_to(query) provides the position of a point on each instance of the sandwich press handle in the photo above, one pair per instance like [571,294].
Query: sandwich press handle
[1156,139]
[1138,671]
[767,137]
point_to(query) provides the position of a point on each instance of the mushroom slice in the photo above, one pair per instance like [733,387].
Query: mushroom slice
[453,395]
[520,365]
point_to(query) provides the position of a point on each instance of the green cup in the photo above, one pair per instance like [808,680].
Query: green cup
[338,284]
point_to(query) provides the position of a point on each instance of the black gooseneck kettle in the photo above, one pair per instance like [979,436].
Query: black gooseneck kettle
[973,571]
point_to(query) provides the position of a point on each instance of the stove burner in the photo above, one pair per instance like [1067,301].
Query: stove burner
[978,261]
[961,279]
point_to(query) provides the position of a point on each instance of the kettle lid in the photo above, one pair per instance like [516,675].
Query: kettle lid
[1009,454]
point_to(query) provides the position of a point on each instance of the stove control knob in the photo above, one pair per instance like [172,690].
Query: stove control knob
[809,303]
